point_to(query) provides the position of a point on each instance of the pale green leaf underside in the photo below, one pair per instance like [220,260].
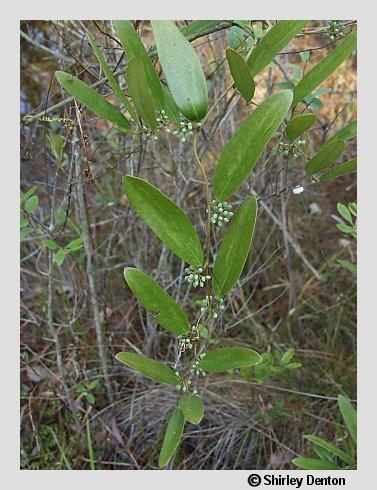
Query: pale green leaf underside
[325,157]
[92,100]
[149,367]
[324,68]
[227,358]
[243,150]
[299,125]
[172,437]
[152,297]
[165,218]
[234,249]
[182,69]
[192,407]
[272,43]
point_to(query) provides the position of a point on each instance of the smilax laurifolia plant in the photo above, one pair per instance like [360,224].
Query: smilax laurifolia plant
[180,109]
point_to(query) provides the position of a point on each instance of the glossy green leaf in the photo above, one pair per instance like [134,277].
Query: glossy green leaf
[272,43]
[172,437]
[192,407]
[227,358]
[197,27]
[165,218]
[31,204]
[234,249]
[299,125]
[112,81]
[325,157]
[324,68]
[182,69]
[314,464]
[348,132]
[329,447]
[152,297]
[140,94]
[149,367]
[243,150]
[134,48]
[92,100]
[349,415]
[342,169]
[241,74]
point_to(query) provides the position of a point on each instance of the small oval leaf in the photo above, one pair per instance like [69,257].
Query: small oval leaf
[243,150]
[149,367]
[299,125]
[323,69]
[234,249]
[173,435]
[227,358]
[314,464]
[241,74]
[182,69]
[140,93]
[342,169]
[192,407]
[134,48]
[325,157]
[152,297]
[92,100]
[31,204]
[349,416]
[165,218]
[272,43]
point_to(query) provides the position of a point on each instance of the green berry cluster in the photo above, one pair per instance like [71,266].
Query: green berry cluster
[335,29]
[195,276]
[162,125]
[220,212]
[185,130]
[187,342]
[195,369]
[212,304]
[291,148]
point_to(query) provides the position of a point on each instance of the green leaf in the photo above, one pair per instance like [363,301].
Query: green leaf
[325,157]
[227,358]
[134,48]
[75,244]
[60,256]
[31,204]
[272,43]
[348,265]
[349,416]
[112,81]
[182,69]
[243,150]
[287,356]
[56,142]
[352,206]
[324,68]
[152,297]
[198,26]
[329,447]
[346,133]
[344,212]
[314,464]
[93,384]
[299,125]
[165,218]
[92,100]
[322,453]
[192,407]
[171,108]
[345,228]
[342,169]
[25,195]
[234,249]
[90,398]
[236,37]
[149,367]
[241,74]
[50,244]
[172,437]
[140,93]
